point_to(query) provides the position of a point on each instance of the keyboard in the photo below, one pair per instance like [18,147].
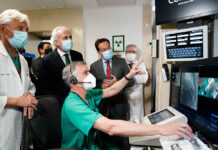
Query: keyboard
[185,52]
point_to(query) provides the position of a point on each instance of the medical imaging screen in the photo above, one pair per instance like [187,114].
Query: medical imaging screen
[189,89]
[160,116]
[194,92]
[208,88]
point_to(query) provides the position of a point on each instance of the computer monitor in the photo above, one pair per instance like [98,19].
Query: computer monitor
[194,92]
[186,44]
[178,10]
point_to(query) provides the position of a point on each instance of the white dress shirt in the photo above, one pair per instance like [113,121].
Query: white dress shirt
[105,66]
[61,53]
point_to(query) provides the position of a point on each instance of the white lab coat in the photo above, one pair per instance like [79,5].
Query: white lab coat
[135,95]
[11,85]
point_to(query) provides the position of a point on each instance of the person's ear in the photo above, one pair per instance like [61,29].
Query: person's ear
[1,27]
[56,43]
[41,50]
[100,53]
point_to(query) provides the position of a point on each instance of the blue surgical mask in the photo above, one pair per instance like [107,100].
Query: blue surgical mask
[19,39]
[67,45]
[107,55]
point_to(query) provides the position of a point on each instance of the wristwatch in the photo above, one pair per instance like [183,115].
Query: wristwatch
[128,79]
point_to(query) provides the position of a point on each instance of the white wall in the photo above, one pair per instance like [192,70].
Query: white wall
[109,21]
[32,45]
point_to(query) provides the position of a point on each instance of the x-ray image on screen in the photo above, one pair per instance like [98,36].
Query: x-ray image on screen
[189,89]
[208,87]
[176,80]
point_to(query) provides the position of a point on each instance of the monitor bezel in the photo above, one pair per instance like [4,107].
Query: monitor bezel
[185,14]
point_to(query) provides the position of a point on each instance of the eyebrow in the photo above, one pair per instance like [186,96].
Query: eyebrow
[86,71]
[70,36]
[20,26]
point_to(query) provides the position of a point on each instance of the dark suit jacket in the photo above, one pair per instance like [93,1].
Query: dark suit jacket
[50,75]
[116,106]
[36,65]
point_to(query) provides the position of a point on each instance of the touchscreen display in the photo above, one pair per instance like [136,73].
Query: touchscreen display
[160,116]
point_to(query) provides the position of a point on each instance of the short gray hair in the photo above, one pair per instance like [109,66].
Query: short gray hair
[9,15]
[70,70]
[55,33]
[131,45]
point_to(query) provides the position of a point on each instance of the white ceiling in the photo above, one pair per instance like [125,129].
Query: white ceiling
[115,2]
[50,4]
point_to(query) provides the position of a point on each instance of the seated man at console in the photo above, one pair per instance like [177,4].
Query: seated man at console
[81,120]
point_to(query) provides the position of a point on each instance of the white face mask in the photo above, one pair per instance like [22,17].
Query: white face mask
[131,56]
[89,82]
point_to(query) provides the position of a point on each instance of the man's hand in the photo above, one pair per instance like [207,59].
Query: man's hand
[177,128]
[29,103]
[108,83]
[114,79]
[28,111]
[135,70]
[28,100]
[141,73]
[105,85]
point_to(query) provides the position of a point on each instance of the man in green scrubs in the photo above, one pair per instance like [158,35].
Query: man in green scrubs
[81,120]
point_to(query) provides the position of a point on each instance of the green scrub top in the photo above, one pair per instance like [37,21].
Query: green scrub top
[15,61]
[77,119]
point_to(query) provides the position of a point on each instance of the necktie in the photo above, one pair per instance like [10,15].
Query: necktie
[108,69]
[67,59]
[130,65]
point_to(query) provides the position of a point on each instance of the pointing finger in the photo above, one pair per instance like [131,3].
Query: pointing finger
[138,64]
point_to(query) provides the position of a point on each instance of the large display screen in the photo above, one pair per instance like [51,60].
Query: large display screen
[186,44]
[194,92]
[176,10]
[160,116]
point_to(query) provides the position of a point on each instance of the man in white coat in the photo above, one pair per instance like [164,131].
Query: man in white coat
[135,93]
[16,88]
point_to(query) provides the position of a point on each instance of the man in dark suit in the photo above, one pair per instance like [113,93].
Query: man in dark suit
[108,70]
[43,48]
[50,76]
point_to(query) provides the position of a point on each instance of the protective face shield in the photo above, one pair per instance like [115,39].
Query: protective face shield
[89,82]
[107,55]
[48,50]
[131,57]
[19,39]
[67,45]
